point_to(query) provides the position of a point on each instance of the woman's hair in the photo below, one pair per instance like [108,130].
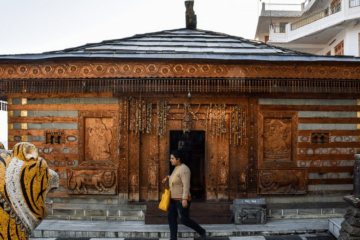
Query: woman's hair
[178,155]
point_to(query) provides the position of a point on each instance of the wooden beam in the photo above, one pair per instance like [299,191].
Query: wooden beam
[325,157]
[62,107]
[330,181]
[43,120]
[45,145]
[329,120]
[62,95]
[40,132]
[330,169]
[332,132]
[329,145]
[309,108]
[59,157]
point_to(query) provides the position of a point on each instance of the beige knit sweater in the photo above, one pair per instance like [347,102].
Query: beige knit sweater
[181,185]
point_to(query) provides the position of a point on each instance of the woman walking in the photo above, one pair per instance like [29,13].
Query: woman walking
[180,197]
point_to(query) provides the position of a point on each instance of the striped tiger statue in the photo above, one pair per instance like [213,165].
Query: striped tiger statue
[25,180]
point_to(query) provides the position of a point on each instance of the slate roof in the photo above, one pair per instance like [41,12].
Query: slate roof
[183,44]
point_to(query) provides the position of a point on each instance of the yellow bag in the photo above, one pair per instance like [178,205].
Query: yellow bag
[165,198]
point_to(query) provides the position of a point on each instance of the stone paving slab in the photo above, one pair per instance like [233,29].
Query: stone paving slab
[116,229]
[323,236]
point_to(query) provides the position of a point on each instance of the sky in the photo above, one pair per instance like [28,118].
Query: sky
[41,25]
[37,26]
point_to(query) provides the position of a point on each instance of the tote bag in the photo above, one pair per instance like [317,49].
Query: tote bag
[165,198]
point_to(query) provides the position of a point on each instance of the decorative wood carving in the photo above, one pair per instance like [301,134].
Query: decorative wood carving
[290,181]
[144,69]
[278,139]
[85,181]
[98,138]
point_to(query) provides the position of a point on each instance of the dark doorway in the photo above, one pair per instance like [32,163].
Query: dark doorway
[193,145]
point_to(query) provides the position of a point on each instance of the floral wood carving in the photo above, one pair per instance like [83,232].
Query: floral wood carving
[292,181]
[106,69]
[277,139]
[98,143]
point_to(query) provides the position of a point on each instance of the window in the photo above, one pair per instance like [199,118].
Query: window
[320,138]
[328,53]
[266,39]
[54,137]
[339,49]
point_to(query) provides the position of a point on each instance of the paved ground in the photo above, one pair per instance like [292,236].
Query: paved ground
[66,229]
[322,236]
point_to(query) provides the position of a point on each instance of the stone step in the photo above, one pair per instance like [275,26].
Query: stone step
[96,212]
[136,229]
[95,218]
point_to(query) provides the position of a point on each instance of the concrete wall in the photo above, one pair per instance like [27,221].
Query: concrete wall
[350,36]
[3,127]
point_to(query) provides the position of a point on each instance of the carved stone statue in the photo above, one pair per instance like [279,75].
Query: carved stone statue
[242,180]
[25,180]
[102,182]
[133,179]
[153,174]
[223,175]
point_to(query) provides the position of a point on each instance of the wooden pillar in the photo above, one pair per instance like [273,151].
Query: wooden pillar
[211,166]
[223,168]
[153,168]
[134,167]
[124,152]
[252,133]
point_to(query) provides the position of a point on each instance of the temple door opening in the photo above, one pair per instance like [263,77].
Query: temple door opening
[193,145]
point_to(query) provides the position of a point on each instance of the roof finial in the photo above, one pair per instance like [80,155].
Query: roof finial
[190,14]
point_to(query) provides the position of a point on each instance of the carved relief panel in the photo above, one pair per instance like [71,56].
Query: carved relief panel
[278,139]
[84,181]
[98,138]
[292,181]
[97,172]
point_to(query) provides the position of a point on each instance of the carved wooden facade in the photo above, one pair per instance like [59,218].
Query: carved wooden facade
[122,147]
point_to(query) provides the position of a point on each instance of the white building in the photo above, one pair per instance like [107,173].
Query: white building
[3,124]
[323,27]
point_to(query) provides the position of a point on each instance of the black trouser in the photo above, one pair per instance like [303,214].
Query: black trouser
[176,210]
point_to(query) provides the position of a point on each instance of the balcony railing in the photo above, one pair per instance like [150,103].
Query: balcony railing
[279,28]
[3,106]
[283,7]
[317,16]
[354,3]
[286,7]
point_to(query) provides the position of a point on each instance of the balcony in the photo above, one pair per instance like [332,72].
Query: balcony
[335,15]
[316,16]
[285,9]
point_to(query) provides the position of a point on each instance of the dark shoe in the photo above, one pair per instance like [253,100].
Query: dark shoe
[203,236]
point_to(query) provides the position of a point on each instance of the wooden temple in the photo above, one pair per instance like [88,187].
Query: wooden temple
[255,120]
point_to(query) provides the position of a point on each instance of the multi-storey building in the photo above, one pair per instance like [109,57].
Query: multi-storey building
[323,27]
[3,123]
